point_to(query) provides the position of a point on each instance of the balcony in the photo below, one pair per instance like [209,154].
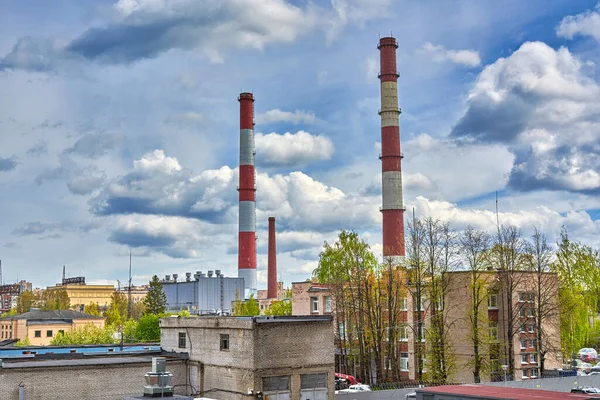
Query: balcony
[394,110]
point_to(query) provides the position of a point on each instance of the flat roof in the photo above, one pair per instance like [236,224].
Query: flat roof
[502,393]
[88,360]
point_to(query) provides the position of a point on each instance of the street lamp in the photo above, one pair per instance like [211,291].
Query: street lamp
[504,368]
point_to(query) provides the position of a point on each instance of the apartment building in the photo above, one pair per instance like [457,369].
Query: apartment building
[494,323]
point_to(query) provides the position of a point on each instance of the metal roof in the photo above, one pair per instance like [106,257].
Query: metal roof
[44,315]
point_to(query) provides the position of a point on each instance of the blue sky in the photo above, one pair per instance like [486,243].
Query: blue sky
[119,126]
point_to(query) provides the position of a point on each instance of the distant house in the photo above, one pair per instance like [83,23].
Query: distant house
[41,326]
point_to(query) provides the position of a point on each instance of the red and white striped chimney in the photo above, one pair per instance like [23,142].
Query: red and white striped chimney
[391,157]
[247,189]
[272,262]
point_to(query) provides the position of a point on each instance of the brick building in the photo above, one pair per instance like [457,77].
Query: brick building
[40,327]
[494,323]
[282,357]
[79,376]
[310,298]
[10,293]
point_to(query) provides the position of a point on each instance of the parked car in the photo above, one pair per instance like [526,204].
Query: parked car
[361,387]
[588,354]
[585,389]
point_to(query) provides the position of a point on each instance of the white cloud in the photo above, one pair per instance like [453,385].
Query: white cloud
[372,68]
[584,24]
[276,115]
[292,149]
[353,12]
[469,58]
[540,104]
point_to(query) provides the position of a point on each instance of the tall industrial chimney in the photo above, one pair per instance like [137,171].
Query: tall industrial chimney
[272,262]
[247,189]
[391,157]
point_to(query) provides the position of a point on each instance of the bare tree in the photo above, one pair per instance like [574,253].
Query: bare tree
[393,292]
[416,286]
[508,256]
[474,248]
[545,287]
[440,256]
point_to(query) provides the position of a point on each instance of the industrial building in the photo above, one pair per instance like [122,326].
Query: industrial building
[270,357]
[202,294]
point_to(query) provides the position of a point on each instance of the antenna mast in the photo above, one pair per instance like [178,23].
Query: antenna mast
[129,289]
[1,278]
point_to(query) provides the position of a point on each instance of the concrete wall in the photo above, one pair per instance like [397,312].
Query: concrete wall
[98,382]
[257,349]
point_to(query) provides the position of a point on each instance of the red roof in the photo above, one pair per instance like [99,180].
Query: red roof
[500,392]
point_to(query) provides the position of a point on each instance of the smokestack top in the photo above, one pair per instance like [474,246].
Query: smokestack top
[388,41]
[271,218]
[246,96]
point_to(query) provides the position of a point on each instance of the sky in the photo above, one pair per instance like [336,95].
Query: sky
[119,126]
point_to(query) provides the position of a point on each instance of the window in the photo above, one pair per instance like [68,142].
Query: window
[404,361]
[403,334]
[522,313]
[526,297]
[533,343]
[182,340]
[224,342]
[533,358]
[534,372]
[492,300]
[493,333]
[314,301]
[494,365]
[48,333]
[522,328]
[328,304]
[530,328]
[415,305]
[422,333]
[342,330]
[523,344]
[403,304]
[276,383]
[37,334]
[313,381]
[524,359]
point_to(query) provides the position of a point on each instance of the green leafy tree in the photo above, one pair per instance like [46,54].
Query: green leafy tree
[137,310]
[23,342]
[130,331]
[247,308]
[25,301]
[55,299]
[117,310]
[148,328]
[9,313]
[86,334]
[279,307]
[92,309]
[155,300]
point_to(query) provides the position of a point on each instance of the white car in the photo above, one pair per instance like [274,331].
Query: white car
[361,387]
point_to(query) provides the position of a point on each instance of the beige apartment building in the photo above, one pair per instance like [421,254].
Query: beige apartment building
[81,295]
[494,323]
[40,327]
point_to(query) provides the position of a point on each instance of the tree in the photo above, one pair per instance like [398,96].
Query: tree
[92,309]
[9,313]
[86,334]
[347,267]
[117,310]
[55,299]
[507,254]
[155,300]
[279,307]
[546,295]
[148,328]
[23,342]
[130,331]
[247,308]
[25,301]
[474,250]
